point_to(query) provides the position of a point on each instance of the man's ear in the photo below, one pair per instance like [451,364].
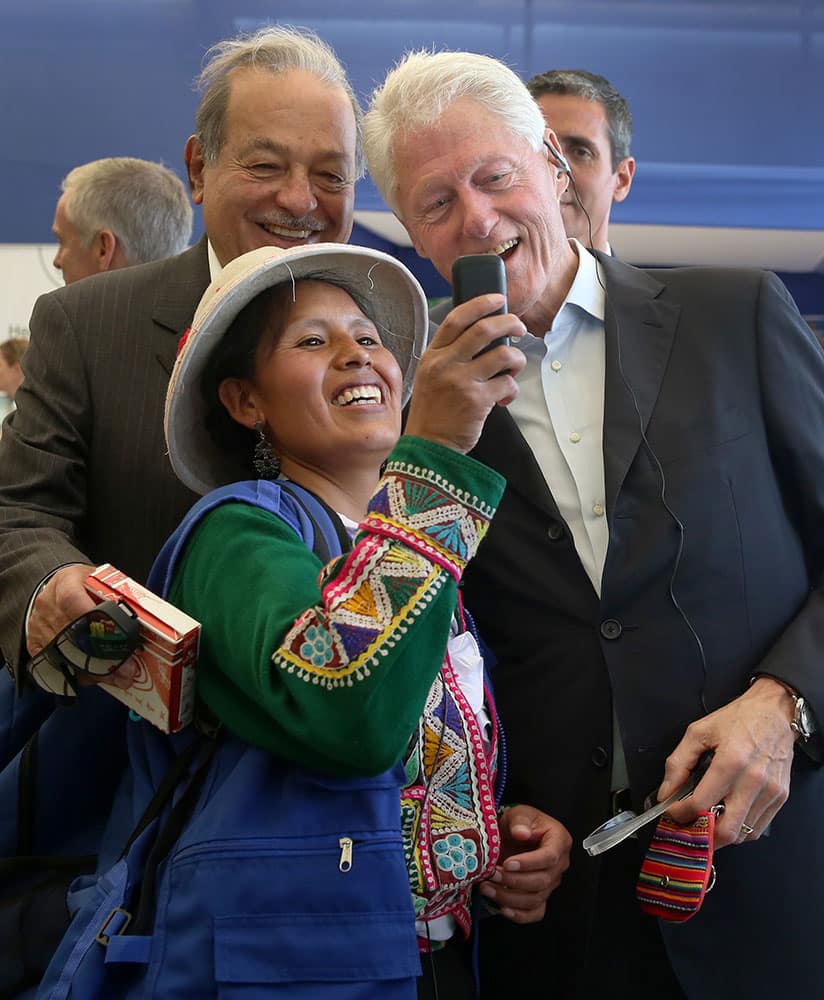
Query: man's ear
[108,251]
[624,175]
[236,395]
[552,144]
[195,165]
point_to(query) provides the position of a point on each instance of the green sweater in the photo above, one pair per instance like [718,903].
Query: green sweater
[334,673]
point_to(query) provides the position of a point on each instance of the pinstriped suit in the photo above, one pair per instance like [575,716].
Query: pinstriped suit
[83,471]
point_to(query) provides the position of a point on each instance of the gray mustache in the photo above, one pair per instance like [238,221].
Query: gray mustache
[290,222]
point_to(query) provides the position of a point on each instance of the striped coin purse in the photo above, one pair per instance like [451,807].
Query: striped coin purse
[677,871]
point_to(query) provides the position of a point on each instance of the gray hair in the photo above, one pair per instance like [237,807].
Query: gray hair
[591,87]
[420,88]
[274,49]
[144,204]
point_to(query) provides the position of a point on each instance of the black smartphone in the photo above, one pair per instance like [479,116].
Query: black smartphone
[478,274]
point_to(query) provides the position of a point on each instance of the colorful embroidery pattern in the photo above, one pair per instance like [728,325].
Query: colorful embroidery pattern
[448,816]
[419,507]
[456,854]
[418,526]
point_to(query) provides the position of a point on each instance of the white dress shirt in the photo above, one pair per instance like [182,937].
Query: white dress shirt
[560,412]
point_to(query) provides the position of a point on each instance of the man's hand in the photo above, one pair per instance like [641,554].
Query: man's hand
[63,599]
[534,855]
[750,770]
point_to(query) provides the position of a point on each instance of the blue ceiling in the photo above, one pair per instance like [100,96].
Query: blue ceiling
[727,95]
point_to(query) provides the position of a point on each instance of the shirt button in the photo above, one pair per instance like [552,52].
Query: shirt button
[611,629]
[575,437]
[598,509]
[555,532]
[556,366]
[599,757]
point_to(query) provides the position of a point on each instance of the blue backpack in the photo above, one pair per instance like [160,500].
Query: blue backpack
[245,876]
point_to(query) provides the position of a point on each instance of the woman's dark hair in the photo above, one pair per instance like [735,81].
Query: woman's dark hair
[235,356]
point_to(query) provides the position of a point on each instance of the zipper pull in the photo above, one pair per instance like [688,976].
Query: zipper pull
[345,862]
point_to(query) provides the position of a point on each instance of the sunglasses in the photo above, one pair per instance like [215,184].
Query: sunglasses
[96,643]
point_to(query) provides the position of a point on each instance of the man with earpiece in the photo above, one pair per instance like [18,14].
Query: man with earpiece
[652,584]
[593,124]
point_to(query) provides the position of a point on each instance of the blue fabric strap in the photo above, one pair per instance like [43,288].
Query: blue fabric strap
[135,948]
[302,511]
[112,888]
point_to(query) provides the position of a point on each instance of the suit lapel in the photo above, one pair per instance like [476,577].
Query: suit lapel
[178,293]
[503,448]
[639,330]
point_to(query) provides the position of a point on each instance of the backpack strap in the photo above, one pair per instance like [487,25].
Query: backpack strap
[330,537]
[307,515]
[172,826]
[165,790]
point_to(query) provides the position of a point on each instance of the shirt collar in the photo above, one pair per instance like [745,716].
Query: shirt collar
[587,291]
[215,267]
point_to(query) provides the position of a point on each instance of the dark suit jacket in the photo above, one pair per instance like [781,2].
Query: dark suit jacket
[83,469]
[714,397]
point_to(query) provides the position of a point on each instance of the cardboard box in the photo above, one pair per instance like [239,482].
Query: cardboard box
[164,688]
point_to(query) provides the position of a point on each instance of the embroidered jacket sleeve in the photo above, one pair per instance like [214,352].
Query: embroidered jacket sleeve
[331,666]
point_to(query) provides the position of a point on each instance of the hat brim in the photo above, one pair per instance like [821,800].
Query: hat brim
[397,303]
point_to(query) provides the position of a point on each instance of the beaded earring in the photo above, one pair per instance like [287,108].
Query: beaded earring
[265,461]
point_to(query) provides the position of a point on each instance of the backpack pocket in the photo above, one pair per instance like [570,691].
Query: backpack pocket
[340,955]
[289,917]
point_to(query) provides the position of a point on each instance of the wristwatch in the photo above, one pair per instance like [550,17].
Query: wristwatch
[803,724]
[803,721]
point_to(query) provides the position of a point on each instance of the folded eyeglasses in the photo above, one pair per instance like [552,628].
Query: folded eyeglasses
[626,823]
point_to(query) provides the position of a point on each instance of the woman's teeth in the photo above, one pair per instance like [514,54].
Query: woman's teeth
[359,395]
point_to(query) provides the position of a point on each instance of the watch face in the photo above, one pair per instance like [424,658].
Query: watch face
[803,722]
[806,720]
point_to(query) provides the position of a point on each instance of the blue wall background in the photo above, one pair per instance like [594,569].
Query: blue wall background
[727,97]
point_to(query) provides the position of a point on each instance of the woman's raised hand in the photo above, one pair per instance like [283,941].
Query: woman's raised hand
[456,385]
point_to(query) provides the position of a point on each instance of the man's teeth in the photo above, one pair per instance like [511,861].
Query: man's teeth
[359,395]
[503,247]
[289,234]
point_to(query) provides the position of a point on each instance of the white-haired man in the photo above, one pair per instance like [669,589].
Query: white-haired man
[652,583]
[117,212]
